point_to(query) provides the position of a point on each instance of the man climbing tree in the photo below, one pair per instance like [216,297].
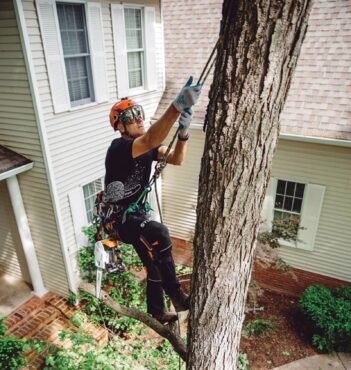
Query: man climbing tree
[128,167]
[259,44]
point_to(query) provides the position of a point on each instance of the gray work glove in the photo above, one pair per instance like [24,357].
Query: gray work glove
[184,123]
[188,96]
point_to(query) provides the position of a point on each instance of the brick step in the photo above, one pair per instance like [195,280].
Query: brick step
[34,322]
[21,313]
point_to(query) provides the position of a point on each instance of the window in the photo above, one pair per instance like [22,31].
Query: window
[73,30]
[288,199]
[302,200]
[135,46]
[90,190]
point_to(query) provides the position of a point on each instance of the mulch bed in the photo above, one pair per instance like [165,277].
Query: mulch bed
[286,343]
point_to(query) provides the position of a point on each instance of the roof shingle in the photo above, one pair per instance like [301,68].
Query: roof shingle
[10,159]
[319,100]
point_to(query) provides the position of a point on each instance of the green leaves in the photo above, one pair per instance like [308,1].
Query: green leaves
[329,315]
[259,327]
[12,352]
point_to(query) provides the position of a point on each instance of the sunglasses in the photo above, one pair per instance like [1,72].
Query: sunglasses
[131,115]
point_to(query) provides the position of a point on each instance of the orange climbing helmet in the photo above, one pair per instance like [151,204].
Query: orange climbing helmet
[125,111]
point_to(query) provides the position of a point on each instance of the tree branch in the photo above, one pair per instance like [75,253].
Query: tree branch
[152,323]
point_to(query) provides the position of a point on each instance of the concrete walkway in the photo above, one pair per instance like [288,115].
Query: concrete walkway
[340,361]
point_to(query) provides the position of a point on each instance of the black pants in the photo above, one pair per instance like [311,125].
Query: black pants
[154,246]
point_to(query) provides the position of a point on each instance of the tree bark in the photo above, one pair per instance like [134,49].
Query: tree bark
[256,57]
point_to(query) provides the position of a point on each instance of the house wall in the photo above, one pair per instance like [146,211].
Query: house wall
[19,132]
[10,262]
[312,163]
[78,139]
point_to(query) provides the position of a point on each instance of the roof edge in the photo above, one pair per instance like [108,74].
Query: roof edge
[316,140]
[16,171]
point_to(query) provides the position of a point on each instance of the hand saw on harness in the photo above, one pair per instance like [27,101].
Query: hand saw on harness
[106,249]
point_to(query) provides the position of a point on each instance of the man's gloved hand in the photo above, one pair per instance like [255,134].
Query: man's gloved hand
[184,123]
[188,96]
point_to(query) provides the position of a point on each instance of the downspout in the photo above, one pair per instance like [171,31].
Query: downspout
[44,142]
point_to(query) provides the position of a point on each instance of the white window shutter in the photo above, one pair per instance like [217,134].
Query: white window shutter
[120,45]
[150,46]
[55,64]
[268,205]
[97,51]
[79,217]
[311,210]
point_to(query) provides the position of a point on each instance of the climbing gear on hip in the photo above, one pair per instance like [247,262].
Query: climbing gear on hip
[106,215]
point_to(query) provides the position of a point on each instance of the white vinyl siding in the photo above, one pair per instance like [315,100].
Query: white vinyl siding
[325,168]
[79,139]
[19,132]
[12,261]
[180,188]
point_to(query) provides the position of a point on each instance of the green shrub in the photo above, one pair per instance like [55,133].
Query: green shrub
[12,352]
[258,327]
[242,362]
[329,315]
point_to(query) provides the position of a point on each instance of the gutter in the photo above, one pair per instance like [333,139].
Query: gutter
[16,171]
[44,142]
[316,140]
[293,137]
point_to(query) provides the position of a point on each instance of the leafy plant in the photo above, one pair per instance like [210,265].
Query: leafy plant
[329,315]
[83,353]
[3,327]
[242,362]
[12,352]
[259,327]
[182,269]
[286,228]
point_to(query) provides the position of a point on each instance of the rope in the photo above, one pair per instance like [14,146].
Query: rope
[162,162]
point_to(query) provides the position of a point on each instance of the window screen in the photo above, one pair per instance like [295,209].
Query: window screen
[75,46]
[288,199]
[90,190]
[135,46]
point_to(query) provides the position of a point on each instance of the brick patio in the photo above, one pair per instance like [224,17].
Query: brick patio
[43,319]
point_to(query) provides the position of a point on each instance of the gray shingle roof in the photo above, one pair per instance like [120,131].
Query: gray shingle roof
[10,159]
[319,100]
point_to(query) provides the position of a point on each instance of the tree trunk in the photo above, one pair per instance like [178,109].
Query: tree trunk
[260,43]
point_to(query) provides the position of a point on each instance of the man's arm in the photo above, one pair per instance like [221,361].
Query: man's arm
[188,96]
[156,133]
[176,156]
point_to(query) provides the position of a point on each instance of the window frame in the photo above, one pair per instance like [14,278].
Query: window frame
[283,242]
[143,88]
[102,178]
[74,105]
[282,210]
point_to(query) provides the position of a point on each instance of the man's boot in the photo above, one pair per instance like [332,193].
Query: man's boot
[180,300]
[166,317]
